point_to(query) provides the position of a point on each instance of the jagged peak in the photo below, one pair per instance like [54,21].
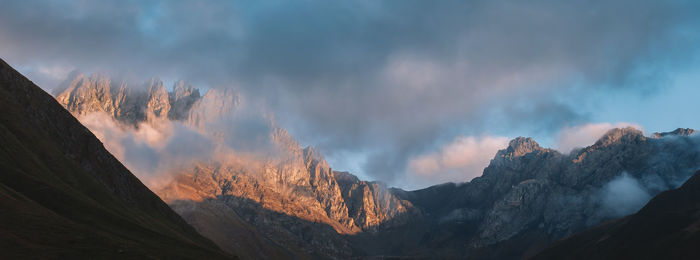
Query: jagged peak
[182,88]
[617,135]
[520,146]
[677,132]
[344,176]
[311,154]
[283,139]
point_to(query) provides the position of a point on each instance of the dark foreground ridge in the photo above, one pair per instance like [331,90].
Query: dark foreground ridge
[62,195]
[668,227]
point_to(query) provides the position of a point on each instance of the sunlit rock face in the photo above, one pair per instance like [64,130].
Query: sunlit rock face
[158,102]
[130,105]
[286,201]
[84,95]
[296,200]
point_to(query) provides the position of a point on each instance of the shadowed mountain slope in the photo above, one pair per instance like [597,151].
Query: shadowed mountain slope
[668,227]
[62,195]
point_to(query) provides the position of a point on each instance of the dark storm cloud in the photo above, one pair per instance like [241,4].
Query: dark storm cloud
[388,79]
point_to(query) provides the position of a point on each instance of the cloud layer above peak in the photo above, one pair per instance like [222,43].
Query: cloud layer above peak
[385,81]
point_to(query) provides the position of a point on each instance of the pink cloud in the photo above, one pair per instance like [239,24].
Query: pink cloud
[458,161]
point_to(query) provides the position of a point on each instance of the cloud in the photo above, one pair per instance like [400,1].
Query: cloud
[458,161]
[387,79]
[585,135]
[151,153]
[623,195]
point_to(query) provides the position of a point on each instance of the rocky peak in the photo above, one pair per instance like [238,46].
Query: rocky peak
[620,135]
[520,146]
[677,132]
[345,178]
[83,95]
[182,90]
[182,99]
[612,142]
[284,141]
[312,156]
[150,102]
[158,100]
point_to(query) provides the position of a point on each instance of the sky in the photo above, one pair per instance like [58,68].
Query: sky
[412,93]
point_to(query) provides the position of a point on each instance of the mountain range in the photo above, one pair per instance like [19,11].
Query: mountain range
[292,204]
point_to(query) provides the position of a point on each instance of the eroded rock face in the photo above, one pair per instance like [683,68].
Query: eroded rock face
[371,205]
[88,94]
[131,106]
[158,101]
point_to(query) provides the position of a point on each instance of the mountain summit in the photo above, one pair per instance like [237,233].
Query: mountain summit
[677,132]
[521,146]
